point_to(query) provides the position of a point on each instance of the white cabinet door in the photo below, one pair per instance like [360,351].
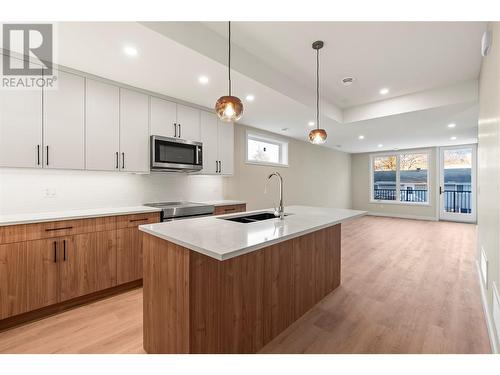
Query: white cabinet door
[21,128]
[63,126]
[188,120]
[134,131]
[163,117]
[102,135]
[226,147]
[209,139]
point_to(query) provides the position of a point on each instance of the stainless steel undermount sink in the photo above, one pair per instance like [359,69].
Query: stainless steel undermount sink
[252,218]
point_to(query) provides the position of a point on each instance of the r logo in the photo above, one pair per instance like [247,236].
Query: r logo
[34,42]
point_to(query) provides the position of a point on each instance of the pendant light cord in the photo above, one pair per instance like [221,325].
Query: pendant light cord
[229,57]
[317,88]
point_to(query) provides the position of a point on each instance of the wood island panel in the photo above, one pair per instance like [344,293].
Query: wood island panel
[197,304]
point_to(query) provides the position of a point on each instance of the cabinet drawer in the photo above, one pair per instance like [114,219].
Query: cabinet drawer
[52,229]
[221,210]
[69,227]
[130,221]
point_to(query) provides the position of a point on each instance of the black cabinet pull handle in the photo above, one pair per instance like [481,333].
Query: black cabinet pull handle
[123,160]
[216,166]
[38,154]
[143,219]
[220,166]
[175,130]
[64,250]
[117,157]
[179,130]
[47,147]
[53,229]
[55,252]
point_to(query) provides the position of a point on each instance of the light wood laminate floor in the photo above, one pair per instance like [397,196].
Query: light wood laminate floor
[408,286]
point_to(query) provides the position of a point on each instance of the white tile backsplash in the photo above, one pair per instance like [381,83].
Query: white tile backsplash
[32,190]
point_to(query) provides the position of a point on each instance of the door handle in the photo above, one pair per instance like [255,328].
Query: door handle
[64,250]
[55,252]
[38,154]
[117,157]
[175,130]
[179,130]
[220,166]
[47,147]
[440,190]
[123,160]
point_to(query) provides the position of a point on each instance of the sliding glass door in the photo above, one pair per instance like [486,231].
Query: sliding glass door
[457,188]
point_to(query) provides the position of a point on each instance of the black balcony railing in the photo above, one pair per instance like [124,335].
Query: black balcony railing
[457,201]
[454,201]
[405,195]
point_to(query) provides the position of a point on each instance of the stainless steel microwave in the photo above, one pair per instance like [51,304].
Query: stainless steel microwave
[175,155]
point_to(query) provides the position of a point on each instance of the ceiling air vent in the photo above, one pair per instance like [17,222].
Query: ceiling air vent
[348,81]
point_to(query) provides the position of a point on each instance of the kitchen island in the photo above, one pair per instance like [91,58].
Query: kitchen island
[213,285]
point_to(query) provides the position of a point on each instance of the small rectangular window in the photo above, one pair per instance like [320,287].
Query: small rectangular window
[266,150]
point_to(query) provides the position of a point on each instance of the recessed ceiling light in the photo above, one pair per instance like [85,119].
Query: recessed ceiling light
[361,137]
[130,51]
[250,98]
[452,125]
[310,123]
[380,145]
[384,91]
[453,138]
[203,80]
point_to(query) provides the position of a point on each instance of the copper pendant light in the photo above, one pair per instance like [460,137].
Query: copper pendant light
[317,136]
[229,108]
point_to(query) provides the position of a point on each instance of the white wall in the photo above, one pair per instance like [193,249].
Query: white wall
[361,191]
[489,167]
[316,176]
[24,190]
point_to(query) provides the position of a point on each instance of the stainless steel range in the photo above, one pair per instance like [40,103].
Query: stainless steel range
[182,210]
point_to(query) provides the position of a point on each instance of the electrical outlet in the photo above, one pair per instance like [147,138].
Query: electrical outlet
[49,193]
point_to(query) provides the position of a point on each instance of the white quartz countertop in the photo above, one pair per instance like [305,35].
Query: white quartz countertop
[226,202]
[29,218]
[223,239]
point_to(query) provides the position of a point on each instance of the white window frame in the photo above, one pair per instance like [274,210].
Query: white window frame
[281,142]
[398,180]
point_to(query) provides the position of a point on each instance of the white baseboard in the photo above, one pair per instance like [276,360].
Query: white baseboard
[402,216]
[489,320]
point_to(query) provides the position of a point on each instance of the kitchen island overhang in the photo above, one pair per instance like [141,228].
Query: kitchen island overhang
[217,286]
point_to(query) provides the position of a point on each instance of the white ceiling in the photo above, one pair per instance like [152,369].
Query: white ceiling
[169,62]
[405,57]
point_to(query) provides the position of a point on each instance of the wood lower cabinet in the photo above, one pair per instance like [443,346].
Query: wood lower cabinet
[230,209]
[42,273]
[129,255]
[13,276]
[88,263]
[48,263]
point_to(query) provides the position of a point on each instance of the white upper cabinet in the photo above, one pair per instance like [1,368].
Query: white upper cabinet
[188,123]
[218,145]
[210,142]
[163,117]
[226,147]
[134,131]
[63,124]
[21,128]
[102,135]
